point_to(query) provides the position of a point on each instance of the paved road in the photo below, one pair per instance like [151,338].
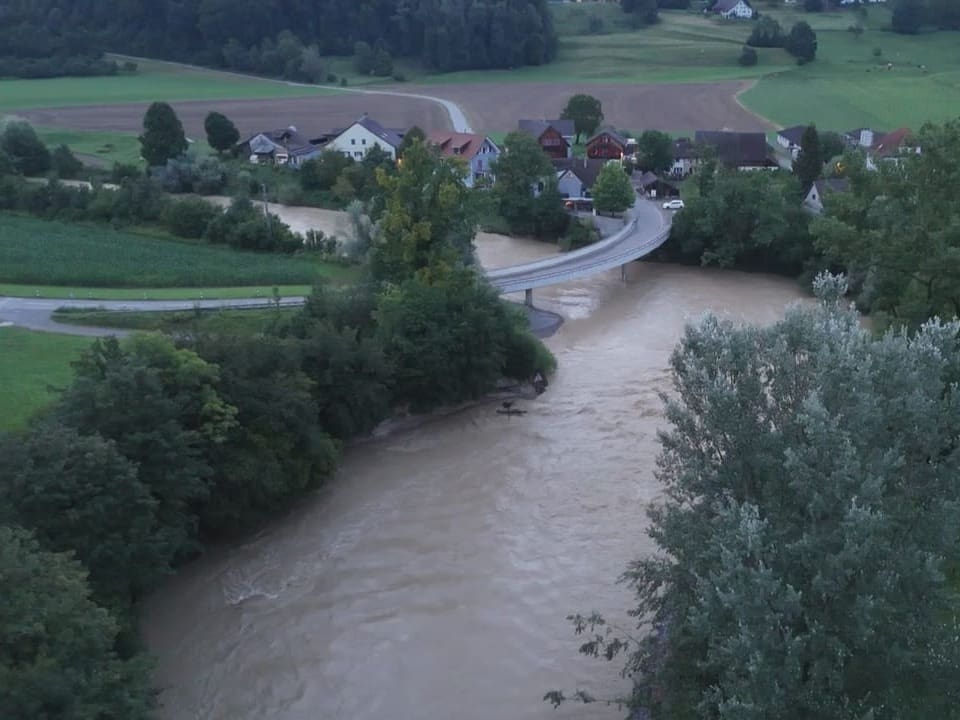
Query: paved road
[646,229]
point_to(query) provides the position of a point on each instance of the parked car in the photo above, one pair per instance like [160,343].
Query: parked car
[675,204]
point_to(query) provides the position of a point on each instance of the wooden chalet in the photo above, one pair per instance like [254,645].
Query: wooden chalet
[554,136]
[607,144]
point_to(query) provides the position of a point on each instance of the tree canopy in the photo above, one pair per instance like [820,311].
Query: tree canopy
[286,39]
[586,113]
[222,134]
[809,163]
[525,191]
[612,191]
[808,522]
[163,137]
[654,151]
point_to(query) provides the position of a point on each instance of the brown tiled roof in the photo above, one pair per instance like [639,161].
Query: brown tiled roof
[452,144]
[612,133]
[891,143]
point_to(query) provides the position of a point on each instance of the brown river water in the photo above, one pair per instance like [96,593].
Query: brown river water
[431,578]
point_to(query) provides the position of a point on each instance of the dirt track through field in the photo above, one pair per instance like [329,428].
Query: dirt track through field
[489,108]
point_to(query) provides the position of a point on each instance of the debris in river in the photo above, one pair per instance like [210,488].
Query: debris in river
[508,409]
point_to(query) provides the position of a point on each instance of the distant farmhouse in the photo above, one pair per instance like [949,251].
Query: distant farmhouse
[685,158]
[554,136]
[813,200]
[576,176]
[608,144]
[729,9]
[789,139]
[355,140]
[286,146]
[477,151]
[740,150]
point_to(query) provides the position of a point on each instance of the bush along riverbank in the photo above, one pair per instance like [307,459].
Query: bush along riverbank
[159,445]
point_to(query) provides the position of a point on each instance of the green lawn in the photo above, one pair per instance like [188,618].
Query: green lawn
[153,81]
[109,147]
[44,253]
[31,363]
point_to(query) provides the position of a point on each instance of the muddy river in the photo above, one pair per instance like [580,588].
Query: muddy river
[431,578]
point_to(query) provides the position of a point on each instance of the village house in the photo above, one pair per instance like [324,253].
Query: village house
[862,137]
[685,158]
[364,134]
[813,200]
[477,151]
[607,144]
[729,9]
[740,150]
[654,187]
[286,146]
[576,176]
[554,136]
[891,146]
[789,139]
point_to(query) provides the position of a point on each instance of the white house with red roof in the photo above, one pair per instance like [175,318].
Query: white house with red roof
[477,151]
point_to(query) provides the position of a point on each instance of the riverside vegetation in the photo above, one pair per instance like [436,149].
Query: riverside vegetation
[159,444]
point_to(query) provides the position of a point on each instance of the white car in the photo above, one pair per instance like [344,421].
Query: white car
[676,204]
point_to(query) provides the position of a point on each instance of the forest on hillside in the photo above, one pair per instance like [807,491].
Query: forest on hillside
[43,38]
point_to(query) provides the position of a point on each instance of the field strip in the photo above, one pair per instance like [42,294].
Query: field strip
[458,120]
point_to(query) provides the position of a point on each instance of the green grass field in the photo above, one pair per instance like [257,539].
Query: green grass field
[153,81]
[46,253]
[31,363]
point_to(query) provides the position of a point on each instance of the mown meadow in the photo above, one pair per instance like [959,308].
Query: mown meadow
[48,253]
[32,365]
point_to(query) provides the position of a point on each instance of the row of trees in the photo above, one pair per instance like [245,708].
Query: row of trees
[910,16]
[801,41]
[290,40]
[159,444]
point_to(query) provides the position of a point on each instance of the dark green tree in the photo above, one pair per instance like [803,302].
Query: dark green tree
[64,163]
[521,171]
[766,33]
[801,42]
[78,493]
[612,191]
[163,136]
[748,56]
[809,163]
[57,657]
[222,134]
[160,405]
[907,17]
[586,113]
[20,143]
[654,151]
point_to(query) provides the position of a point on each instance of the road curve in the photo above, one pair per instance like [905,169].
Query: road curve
[645,229]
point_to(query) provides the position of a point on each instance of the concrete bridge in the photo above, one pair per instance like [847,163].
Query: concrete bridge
[645,229]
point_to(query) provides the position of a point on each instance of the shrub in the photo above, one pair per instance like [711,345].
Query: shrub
[290,194]
[188,218]
[343,82]
[65,164]
[748,56]
[877,52]
[399,77]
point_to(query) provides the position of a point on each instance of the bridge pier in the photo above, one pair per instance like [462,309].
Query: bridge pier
[623,273]
[528,297]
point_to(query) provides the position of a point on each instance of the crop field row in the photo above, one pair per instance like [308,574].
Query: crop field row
[53,253]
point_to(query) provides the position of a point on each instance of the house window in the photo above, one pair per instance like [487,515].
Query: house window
[358,154]
[364,141]
[353,141]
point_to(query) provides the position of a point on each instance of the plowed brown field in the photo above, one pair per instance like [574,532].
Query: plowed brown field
[489,107]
